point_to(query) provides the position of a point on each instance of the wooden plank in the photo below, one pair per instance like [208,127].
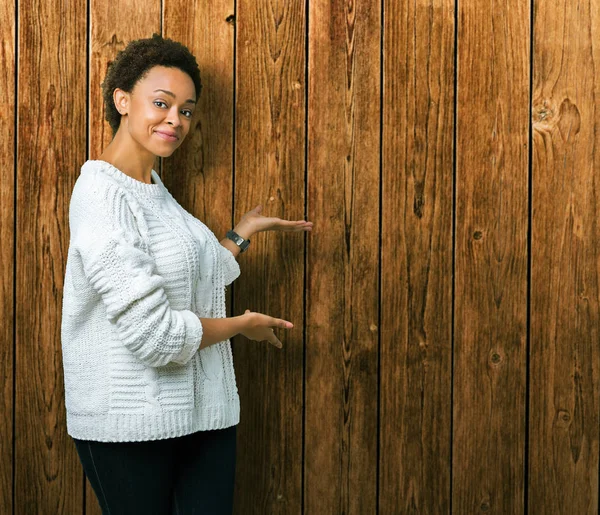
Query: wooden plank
[108,35]
[269,170]
[7,264]
[343,257]
[416,259]
[200,172]
[51,146]
[563,443]
[491,257]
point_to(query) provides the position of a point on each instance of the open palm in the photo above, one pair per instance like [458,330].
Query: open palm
[259,223]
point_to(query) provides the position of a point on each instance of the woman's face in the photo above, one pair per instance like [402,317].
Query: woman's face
[161,104]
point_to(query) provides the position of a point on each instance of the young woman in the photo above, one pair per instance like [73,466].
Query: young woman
[150,391]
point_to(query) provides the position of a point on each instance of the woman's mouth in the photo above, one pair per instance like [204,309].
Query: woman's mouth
[165,136]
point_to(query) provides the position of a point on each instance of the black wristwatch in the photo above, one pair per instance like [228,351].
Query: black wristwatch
[239,241]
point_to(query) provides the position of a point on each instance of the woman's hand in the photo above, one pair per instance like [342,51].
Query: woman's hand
[258,327]
[253,222]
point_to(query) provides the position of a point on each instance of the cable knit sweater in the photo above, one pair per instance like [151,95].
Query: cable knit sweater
[140,272]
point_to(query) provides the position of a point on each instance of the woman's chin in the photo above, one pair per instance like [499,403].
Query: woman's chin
[164,152]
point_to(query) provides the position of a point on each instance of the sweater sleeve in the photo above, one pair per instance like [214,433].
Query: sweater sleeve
[118,266]
[231,268]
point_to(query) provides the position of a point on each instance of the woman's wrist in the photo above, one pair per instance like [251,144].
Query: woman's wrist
[244,229]
[216,330]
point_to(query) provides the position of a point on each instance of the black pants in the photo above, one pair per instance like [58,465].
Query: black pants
[188,475]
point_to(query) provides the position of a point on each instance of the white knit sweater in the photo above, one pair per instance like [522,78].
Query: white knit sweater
[140,272]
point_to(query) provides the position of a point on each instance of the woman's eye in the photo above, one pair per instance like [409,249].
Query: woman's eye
[187,110]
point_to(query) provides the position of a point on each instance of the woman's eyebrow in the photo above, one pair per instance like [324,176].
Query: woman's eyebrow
[169,93]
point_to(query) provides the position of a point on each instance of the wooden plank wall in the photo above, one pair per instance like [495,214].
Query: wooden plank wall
[7,254]
[565,256]
[490,302]
[446,304]
[50,129]
[418,116]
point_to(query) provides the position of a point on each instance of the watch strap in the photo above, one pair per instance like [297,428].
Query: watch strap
[238,240]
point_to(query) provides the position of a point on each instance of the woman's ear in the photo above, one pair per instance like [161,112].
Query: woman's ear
[121,100]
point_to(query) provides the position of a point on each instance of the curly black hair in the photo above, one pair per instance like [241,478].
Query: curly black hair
[135,60]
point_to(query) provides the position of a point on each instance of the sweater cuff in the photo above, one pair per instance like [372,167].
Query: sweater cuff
[193,336]
[231,268]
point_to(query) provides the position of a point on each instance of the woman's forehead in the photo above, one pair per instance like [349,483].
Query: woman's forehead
[171,80]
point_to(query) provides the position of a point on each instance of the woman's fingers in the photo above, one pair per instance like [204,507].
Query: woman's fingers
[294,225]
[284,324]
[265,323]
[300,225]
[275,341]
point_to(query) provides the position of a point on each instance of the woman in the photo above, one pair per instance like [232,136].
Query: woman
[150,391]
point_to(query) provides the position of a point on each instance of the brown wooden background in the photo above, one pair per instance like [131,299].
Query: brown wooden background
[446,304]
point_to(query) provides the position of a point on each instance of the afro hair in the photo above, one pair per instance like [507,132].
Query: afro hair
[135,60]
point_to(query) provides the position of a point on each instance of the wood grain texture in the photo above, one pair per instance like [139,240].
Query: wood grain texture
[7,258]
[269,170]
[491,257]
[110,33]
[51,144]
[563,437]
[343,257]
[416,258]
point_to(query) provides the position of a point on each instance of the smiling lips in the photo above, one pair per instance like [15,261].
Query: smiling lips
[169,136]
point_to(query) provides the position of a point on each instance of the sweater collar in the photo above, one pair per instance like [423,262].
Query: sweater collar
[150,190]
